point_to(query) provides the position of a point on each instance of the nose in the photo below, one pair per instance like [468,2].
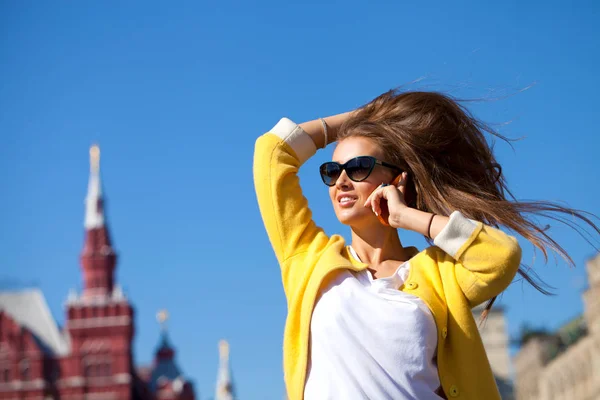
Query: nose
[343,182]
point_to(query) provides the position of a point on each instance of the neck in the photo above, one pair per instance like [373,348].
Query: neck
[377,244]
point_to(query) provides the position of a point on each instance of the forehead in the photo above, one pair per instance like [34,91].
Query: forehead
[356,146]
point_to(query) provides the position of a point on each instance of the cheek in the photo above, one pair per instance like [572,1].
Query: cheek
[381,176]
[365,189]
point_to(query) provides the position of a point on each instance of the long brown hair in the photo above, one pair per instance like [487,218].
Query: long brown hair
[452,167]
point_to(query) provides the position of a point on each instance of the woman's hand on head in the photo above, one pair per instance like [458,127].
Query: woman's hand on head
[316,130]
[395,198]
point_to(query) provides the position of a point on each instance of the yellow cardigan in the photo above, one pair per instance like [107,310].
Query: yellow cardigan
[450,285]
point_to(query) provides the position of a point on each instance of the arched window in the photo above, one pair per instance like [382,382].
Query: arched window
[5,375]
[103,368]
[107,368]
[88,370]
[97,366]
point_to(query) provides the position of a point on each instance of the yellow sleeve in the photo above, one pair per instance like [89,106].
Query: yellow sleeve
[295,237]
[486,259]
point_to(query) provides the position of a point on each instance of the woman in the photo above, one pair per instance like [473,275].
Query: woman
[376,319]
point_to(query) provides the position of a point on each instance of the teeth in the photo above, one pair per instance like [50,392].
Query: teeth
[346,199]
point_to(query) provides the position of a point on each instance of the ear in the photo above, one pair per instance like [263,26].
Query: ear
[396,180]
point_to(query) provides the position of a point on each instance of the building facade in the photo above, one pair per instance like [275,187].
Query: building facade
[91,356]
[565,364]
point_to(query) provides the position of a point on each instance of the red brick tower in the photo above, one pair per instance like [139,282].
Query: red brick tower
[100,320]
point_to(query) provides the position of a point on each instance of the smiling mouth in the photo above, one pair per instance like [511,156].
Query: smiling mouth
[347,201]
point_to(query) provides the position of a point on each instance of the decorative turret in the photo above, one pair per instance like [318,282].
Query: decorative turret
[98,259]
[164,353]
[225,389]
[166,380]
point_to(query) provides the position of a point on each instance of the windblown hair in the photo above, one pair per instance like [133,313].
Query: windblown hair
[452,167]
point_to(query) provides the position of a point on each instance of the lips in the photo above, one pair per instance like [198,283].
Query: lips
[346,200]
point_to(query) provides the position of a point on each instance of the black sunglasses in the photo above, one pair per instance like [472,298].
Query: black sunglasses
[358,169]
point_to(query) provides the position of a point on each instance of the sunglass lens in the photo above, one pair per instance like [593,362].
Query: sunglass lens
[330,171]
[359,168]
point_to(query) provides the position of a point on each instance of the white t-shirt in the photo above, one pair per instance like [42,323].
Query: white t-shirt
[369,340]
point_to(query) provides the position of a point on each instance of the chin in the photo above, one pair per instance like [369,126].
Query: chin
[351,217]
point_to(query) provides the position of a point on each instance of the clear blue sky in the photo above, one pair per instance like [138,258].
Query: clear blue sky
[175,94]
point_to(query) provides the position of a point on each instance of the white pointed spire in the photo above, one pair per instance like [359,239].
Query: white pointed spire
[94,213]
[225,390]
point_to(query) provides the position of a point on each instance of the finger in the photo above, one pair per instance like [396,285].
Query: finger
[403,179]
[376,200]
[370,198]
[402,184]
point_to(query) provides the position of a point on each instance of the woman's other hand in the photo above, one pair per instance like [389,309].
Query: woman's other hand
[394,196]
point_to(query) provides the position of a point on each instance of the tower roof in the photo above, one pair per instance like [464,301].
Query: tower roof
[165,368]
[165,351]
[98,257]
